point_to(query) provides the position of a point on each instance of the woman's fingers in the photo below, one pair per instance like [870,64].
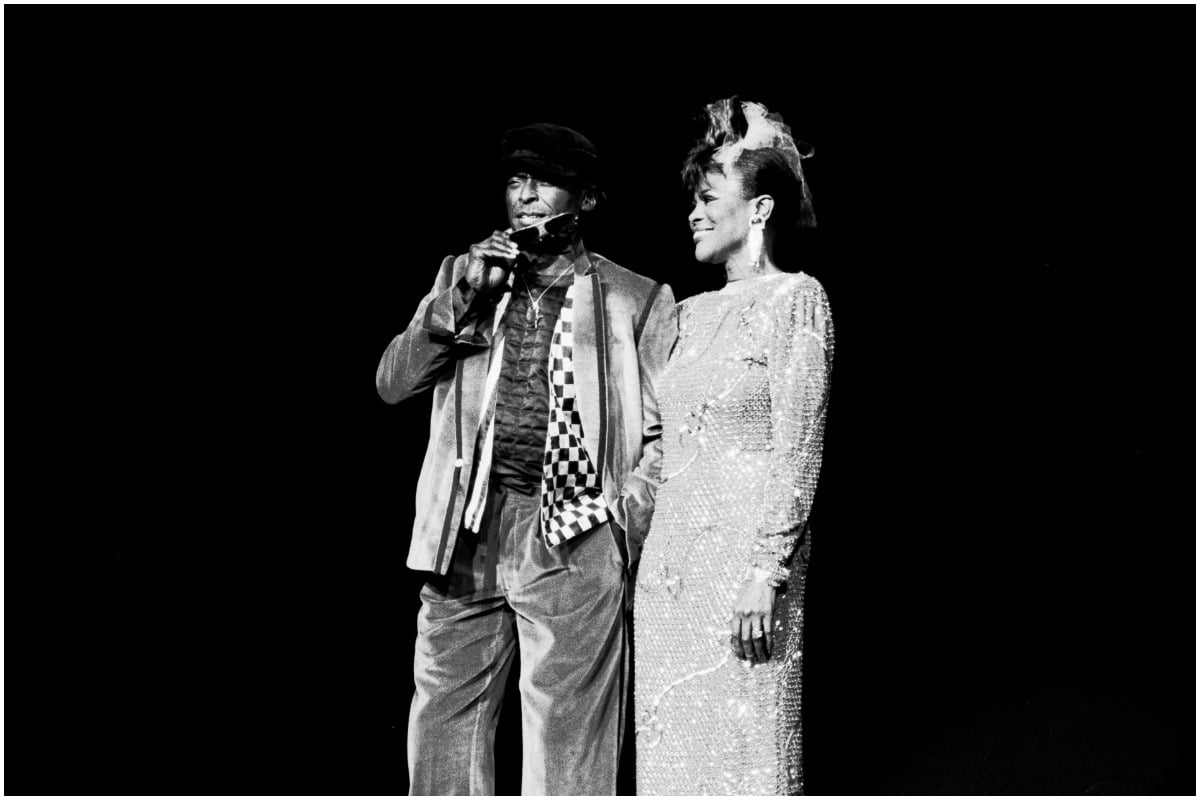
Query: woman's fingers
[751,637]
[759,639]
[749,643]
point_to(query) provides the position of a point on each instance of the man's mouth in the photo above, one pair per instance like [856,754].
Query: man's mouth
[526,218]
[699,233]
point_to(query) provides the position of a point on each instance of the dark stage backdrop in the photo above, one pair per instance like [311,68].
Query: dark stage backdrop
[1002,589]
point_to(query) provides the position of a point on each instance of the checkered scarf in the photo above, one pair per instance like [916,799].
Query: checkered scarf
[571,500]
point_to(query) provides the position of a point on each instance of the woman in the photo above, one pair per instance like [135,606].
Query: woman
[719,609]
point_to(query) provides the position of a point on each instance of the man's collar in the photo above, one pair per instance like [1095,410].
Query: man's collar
[576,254]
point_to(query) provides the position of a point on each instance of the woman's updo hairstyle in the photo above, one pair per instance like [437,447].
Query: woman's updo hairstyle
[745,137]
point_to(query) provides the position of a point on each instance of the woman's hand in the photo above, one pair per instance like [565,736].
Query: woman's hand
[750,629]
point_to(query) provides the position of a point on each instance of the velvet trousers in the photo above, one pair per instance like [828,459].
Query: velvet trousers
[564,607]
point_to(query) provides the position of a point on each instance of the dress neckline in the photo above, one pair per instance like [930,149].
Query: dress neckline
[745,283]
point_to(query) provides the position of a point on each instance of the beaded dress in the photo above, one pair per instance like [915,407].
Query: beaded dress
[743,402]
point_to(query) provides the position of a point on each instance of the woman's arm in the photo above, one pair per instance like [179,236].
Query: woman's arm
[799,358]
[799,361]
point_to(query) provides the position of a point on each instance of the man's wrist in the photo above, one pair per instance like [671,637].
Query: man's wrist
[469,303]
[464,297]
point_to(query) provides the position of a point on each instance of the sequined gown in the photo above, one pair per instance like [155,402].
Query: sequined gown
[743,402]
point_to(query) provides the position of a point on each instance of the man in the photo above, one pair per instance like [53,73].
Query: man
[538,483]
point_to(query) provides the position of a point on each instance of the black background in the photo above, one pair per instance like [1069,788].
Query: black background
[214,231]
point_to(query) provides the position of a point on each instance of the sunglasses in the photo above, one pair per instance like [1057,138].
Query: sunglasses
[558,225]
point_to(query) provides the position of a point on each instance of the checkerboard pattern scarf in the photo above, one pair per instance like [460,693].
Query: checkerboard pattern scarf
[571,500]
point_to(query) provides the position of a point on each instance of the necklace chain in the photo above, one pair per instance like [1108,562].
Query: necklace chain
[534,314]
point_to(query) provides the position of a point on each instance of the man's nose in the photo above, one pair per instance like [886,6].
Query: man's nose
[528,193]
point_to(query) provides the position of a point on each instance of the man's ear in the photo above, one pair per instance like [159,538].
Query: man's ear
[587,201]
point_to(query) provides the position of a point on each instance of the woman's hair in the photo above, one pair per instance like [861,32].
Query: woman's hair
[744,138]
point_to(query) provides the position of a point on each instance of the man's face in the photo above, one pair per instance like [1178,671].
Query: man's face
[530,200]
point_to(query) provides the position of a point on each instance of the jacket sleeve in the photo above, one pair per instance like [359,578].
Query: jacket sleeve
[636,499]
[799,359]
[450,319]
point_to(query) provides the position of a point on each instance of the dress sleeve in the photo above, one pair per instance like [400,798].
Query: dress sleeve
[799,358]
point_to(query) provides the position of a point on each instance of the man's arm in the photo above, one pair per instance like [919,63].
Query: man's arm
[448,319]
[444,324]
[637,495]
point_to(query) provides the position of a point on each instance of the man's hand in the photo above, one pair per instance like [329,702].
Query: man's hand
[750,631]
[482,273]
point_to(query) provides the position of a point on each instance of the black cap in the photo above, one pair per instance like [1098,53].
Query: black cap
[551,152]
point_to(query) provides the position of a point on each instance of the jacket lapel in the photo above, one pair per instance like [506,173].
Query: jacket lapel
[584,358]
[475,391]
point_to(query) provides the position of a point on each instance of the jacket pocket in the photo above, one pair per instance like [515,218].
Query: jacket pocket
[619,538]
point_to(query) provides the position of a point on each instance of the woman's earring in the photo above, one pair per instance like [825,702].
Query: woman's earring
[754,240]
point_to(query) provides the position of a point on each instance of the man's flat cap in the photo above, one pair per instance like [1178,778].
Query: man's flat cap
[551,152]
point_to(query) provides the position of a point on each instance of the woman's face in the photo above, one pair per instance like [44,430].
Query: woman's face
[720,218]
